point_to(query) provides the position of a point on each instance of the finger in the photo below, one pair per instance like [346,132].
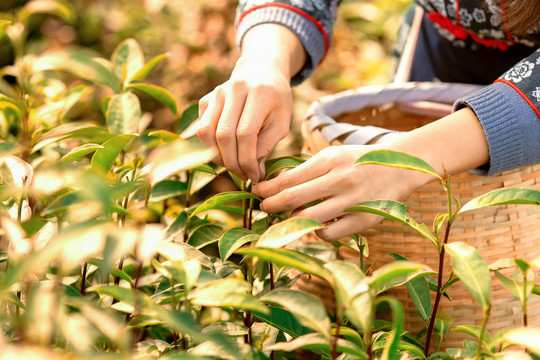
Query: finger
[257,108]
[227,127]
[209,114]
[348,225]
[297,196]
[328,210]
[309,170]
[269,138]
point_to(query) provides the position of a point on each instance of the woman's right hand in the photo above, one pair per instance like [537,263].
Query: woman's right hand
[247,116]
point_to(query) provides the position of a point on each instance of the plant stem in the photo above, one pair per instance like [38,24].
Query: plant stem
[482,331]
[524,304]
[188,202]
[339,315]
[271,270]
[83,279]
[439,292]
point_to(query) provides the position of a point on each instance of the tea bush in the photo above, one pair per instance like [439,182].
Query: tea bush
[110,247]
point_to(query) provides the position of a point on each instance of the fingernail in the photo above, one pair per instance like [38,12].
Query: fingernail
[254,177]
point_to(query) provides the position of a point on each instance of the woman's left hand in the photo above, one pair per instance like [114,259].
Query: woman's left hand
[330,176]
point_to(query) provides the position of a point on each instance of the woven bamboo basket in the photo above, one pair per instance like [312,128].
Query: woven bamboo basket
[511,231]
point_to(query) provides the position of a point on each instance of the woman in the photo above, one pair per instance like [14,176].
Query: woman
[492,130]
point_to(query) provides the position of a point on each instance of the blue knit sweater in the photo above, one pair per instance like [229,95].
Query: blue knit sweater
[508,109]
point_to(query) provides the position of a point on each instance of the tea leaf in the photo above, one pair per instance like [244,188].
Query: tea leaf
[180,155]
[471,268]
[188,117]
[71,130]
[527,337]
[515,284]
[167,189]
[104,159]
[306,308]
[396,159]
[503,197]
[164,135]
[222,198]
[285,162]
[158,93]
[7,149]
[181,252]
[319,344]
[177,226]
[443,322]
[418,289]
[81,151]
[233,239]
[115,291]
[352,292]
[395,274]
[398,318]
[148,67]
[283,320]
[474,331]
[290,258]
[285,232]
[123,114]
[62,9]
[205,235]
[397,211]
[127,59]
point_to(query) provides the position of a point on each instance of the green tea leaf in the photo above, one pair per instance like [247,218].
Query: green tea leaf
[222,198]
[188,117]
[397,211]
[233,239]
[148,67]
[104,159]
[285,232]
[306,308]
[473,271]
[283,320]
[285,162]
[526,337]
[290,258]
[115,291]
[81,151]
[515,284]
[127,59]
[158,93]
[396,159]
[205,235]
[164,135]
[443,322]
[503,197]
[170,159]
[318,343]
[123,114]
[418,289]
[62,9]
[398,318]
[474,331]
[395,274]
[167,189]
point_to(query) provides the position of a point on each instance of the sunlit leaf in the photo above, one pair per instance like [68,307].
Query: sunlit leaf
[148,67]
[103,159]
[398,318]
[164,135]
[519,287]
[180,155]
[286,257]
[182,251]
[188,117]
[473,330]
[158,93]
[81,151]
[318,343]
[222,198]
[205,235]
[123,114]
[471,268]
[306,308]
[395,274]
[61,8]
[286,162]
[283,233]
[526,337]
[233,239]
[127,59]
[397,211]
[503,197]
[177,226]
[71,130]
[396,159]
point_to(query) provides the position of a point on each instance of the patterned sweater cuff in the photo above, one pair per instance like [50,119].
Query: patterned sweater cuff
[307,30]
[512,127]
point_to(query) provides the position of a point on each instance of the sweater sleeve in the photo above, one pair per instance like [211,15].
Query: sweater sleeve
[509,112]
[311,20]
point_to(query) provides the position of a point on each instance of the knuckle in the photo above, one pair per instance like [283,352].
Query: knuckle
[223,136]
[238,85]
[244,133]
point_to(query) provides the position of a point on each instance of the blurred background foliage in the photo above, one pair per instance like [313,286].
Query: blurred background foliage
[199,36]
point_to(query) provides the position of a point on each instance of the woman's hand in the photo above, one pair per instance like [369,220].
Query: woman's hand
[247,116]
[457,141]
[331,176]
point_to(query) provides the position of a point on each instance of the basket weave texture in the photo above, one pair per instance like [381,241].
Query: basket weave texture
[500,232]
